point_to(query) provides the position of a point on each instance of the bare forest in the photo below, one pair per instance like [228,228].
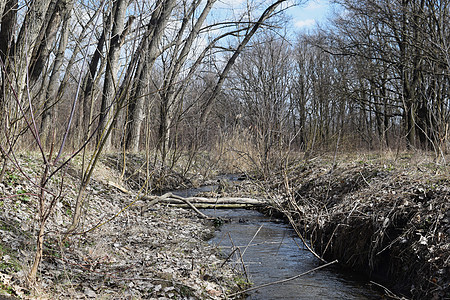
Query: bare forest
[175,81]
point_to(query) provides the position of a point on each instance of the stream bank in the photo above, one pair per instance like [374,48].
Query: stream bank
[387,218]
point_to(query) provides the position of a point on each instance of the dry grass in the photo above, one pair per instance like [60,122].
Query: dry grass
[236,153]
[383,213]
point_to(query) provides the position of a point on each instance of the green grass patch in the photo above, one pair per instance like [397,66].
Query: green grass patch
[12,263]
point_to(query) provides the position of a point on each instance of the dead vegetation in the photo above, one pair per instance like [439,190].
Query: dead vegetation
[389,218]
[124,247]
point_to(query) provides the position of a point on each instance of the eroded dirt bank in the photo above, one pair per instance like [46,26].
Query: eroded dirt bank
[387,218]
[121,251]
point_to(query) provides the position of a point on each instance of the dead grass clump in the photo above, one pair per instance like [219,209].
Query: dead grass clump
[235,152]
[389,219]
[136,171]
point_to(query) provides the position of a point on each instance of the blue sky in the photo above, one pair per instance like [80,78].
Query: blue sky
[304,16]
[308,15]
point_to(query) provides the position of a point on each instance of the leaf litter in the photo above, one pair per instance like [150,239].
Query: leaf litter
[141,252]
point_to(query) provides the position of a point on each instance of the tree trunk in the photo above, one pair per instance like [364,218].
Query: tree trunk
[84,121]
[51,93]
[8,22]
[110,84]
[2,6]
[159,22]
[31,27]
[47,37]
[168,96]
[209,102]
[38,254]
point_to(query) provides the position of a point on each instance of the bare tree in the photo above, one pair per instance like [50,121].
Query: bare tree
[61,14]
[403,41]
[262,79]
[155,29]
[110,85]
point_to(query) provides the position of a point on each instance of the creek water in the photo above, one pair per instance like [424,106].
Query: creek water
[271,251]
[274,253]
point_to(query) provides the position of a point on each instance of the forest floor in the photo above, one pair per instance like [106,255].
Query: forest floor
[124,249]
[386,216]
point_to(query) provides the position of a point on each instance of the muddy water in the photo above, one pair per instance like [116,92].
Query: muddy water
[275,253]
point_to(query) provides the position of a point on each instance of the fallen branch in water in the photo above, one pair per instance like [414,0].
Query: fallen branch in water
[283,280]
[196,202]
[388,292]
[190,205]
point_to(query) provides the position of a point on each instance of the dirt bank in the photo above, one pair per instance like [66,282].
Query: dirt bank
[387,218]
[121,251]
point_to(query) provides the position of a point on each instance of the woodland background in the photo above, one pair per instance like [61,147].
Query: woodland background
[174,75]
[176,79]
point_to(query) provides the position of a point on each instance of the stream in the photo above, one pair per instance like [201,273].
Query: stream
[271,251]
[276,253]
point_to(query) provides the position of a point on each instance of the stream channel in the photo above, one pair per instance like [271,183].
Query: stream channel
[276,253]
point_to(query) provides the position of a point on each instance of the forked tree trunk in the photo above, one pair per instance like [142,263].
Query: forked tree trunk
[110,85]
[168,95]
[160,18]
[28,34]
[51,93]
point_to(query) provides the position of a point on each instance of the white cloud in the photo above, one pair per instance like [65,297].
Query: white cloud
[305,23]
[314,5]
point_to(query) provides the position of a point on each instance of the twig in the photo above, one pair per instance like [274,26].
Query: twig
[291,221]
[254,236]
[240,256]
[253,245]
[331,238]
[283,280]
[243,264]
[354,207]
[229,256]
[364,178]
[388,292]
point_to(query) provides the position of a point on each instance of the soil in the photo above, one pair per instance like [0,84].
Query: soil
[124,248]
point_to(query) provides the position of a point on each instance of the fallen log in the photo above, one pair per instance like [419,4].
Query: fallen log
[216,201]
[211,205]
[197,202]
